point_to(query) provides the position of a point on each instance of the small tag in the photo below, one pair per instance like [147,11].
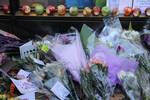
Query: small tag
[27,49]
[37,61]
[60,91]
[45,48]
[24,86]
[23,74]
[27,96]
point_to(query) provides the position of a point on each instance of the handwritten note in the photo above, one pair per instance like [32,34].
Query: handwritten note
[142,4]
[60,91]
[24,86]
[23,74]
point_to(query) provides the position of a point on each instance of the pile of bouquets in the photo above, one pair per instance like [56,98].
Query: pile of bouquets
[86,65]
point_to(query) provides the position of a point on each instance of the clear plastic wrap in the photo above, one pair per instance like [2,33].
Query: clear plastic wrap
[124,43]
[50,75]
[130,84]
[143,75]
[111,31]
[67,49]
[130,49]
[146,35]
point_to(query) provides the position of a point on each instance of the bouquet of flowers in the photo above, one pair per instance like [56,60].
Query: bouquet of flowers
[67,49]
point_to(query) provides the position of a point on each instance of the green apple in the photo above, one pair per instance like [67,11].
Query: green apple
[73,11]
[106,11]
[39,9]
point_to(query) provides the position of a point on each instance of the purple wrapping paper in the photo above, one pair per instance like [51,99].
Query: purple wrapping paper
[115,63]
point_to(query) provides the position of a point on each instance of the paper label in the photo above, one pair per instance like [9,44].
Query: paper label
[24,86]
[123,4]
[142,4]
[27,49]
[60,91]
[23,74]
[27,96]
[37,61]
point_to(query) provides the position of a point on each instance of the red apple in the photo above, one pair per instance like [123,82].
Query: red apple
[136,12]
[61,9]
[127,11]
[6,9]
[26,9]
[50,9]
[147,12]
[96,11]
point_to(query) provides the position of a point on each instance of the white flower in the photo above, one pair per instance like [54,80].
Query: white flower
[122,74]
[130,74]
[131,35]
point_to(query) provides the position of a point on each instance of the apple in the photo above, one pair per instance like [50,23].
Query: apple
[6,9]
[61,9]
[26,9]
[128,11]
[96,11]
[136,12]
[115,12]
[39,9]
[73,11]
[106,11]
[50,9]
[147,11]
[87,11]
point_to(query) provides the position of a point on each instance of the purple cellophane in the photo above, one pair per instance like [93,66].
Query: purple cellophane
[115,63]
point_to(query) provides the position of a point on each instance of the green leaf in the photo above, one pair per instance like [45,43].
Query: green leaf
[130,26]
[84,34]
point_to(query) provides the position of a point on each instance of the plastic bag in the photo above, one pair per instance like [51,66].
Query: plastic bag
[67,49]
